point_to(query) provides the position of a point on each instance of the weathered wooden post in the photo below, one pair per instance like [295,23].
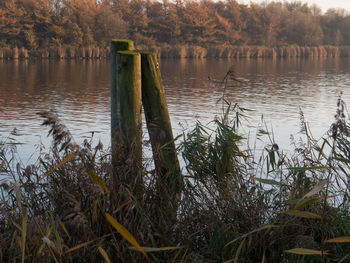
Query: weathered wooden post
[160,131]
[126,118]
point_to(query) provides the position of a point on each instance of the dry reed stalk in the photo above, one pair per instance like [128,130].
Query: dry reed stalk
[182,52]
[292,52]
[108,51]
[97,52]
[61,52]
[88,52]
[280,52]
[247,52]
[271,53]
[23,53]
[15,53]
[286,51]
[7,53]
[102,52]
[308,52]
[258,52]
[81,52]
[45,54]
[237,53]
[71,52]
[336,52]
[52,52]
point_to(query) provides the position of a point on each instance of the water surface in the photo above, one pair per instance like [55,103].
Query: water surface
[79,90]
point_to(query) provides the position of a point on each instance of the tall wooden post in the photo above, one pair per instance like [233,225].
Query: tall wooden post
[160,131]
[116,45]
[126,118]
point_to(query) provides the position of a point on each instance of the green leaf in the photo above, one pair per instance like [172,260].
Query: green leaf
[310,168]
[305,251]
[238,252]
[98,180]
[125,233]
[251,232]
[308,201]
[303,214]
[266,181]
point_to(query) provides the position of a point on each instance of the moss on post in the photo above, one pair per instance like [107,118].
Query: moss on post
[128,107]
[160,131]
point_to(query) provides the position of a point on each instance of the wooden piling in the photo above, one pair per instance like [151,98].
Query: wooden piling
[126,115]
[116,46]
[160,131]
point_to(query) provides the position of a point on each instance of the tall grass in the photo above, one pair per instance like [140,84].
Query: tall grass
[236,205]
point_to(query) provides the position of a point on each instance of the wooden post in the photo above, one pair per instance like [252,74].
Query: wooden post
[160,131]
[116,46]
[126,118]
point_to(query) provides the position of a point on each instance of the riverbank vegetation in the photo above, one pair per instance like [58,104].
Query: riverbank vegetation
[41,24]
[236,52]
[236,204]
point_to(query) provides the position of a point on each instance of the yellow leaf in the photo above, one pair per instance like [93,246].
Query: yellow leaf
[339,240]
[125,233]
[64,228]
[305,251]
[98,180]
[104,254]
[156,249]
[303,214]
[66,159]
[78,246]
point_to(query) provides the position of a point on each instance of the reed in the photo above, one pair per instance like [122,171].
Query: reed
[186,51]
[70,52]
[88,52]
[15,53]
[61,53]
[23,53]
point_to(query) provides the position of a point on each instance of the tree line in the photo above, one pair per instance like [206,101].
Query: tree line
[36,24]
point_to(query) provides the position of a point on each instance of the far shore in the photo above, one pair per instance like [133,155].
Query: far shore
[186,51]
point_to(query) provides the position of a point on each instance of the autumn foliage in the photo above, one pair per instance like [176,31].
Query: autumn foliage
[37,24]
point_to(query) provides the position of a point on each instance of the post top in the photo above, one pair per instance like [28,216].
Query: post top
[120,44]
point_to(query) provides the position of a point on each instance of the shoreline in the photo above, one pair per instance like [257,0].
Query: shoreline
[177,52]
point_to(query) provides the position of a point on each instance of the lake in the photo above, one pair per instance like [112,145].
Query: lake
[79,90]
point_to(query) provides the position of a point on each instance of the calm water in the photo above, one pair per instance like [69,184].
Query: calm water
[79,91]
